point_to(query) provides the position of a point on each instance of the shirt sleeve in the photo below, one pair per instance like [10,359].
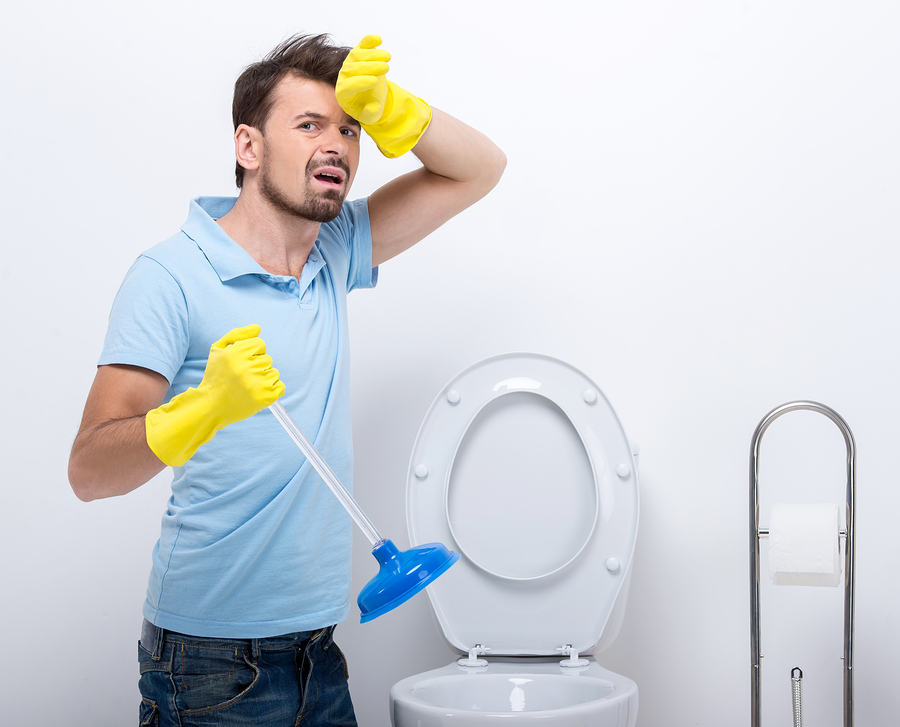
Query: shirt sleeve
[148,323]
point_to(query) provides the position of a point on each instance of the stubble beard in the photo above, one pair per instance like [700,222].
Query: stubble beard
[321,207]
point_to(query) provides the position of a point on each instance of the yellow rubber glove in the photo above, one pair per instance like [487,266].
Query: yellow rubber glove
[393,117]
[238,382]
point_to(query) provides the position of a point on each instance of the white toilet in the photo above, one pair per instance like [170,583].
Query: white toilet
[522,466]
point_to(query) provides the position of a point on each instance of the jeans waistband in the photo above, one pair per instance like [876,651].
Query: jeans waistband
[153,638]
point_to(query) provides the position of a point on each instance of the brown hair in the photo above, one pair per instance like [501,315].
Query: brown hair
[308,56]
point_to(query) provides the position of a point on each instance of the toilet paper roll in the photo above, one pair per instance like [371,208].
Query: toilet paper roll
[803,545]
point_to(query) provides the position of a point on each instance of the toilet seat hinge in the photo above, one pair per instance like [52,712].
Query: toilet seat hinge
[473,659]
[573,660]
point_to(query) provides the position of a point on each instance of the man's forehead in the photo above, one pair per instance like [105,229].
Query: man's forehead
[296,96]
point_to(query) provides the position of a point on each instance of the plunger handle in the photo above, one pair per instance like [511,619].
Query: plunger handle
[327,474]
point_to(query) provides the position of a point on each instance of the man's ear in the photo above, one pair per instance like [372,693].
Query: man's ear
[248,147]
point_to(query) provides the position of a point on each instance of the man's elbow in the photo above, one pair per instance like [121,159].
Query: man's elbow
[94,476]
[491,165]
[90,482]
[495,166]
[81,481]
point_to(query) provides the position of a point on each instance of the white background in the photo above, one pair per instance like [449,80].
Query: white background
[700,212]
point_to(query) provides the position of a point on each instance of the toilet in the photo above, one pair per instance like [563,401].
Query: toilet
[522,466]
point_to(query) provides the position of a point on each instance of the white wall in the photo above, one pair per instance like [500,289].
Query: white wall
[700,212]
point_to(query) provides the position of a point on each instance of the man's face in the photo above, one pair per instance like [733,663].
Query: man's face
[310,151]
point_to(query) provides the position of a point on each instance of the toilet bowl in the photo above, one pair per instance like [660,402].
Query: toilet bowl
[522,466]
[522,693]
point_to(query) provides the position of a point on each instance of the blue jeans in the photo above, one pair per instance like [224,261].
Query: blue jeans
[295,679]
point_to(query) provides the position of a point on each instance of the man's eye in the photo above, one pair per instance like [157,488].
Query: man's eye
[348,132]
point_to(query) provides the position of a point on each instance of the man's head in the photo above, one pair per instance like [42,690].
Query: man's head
[307,57]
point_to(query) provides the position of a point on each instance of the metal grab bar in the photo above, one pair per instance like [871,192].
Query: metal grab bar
[849,556]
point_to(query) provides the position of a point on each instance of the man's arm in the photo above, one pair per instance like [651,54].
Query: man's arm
[126,437]
[110,455]
[460,166]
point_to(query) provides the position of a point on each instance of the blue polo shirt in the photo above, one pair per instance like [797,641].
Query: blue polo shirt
[253,543]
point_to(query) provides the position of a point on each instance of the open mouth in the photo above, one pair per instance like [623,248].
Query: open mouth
[326,177]
[330,177]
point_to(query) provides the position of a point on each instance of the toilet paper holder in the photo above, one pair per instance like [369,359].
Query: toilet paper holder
[756,533]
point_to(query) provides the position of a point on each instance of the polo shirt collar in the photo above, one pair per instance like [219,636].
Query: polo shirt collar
[226,257]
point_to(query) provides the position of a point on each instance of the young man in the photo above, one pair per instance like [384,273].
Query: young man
[252,569]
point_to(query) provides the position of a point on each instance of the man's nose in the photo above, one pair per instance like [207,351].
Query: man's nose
[334,142]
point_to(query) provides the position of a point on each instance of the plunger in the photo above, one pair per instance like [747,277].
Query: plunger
[401,574]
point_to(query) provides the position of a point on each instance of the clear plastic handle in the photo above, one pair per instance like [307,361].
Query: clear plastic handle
[327,474]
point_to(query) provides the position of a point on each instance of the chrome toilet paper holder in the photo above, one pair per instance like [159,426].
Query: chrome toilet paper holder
[756,533]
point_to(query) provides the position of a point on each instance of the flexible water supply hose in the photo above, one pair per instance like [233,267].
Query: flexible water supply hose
[796,695]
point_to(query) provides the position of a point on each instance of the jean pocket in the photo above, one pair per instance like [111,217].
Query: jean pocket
[208,679]
[149,714]
[342,659]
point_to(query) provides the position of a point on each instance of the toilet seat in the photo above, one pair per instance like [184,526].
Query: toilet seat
[523,467]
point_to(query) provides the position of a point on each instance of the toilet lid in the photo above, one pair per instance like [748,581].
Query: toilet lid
[522,466]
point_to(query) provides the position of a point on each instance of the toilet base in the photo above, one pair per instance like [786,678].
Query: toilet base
[518,691]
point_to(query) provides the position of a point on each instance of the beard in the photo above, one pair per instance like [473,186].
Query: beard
[323,206]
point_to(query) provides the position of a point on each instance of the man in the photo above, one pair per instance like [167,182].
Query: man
[251,572]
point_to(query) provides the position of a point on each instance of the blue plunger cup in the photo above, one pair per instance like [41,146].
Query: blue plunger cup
[401,576]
